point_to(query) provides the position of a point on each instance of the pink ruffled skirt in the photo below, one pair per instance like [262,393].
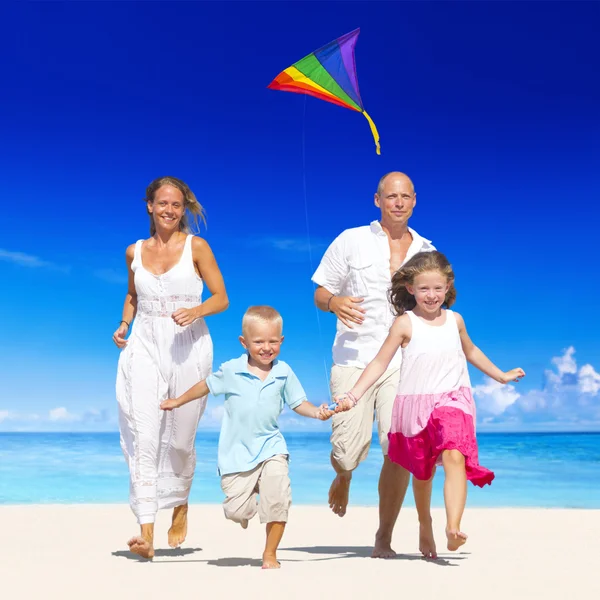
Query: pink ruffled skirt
[425,425]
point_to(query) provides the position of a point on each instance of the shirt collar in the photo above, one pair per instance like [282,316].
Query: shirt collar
[418,240]
[241,366]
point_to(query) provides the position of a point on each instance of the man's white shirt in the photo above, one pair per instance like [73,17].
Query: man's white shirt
[357,263]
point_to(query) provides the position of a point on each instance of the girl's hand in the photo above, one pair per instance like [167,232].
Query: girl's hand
[170,404]
[184,316]
[323,413]
[344,402]
[513,375]
[119,335]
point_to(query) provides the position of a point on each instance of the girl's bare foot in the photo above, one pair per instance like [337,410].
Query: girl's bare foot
[426,540]
[270,561]
[178,529]
[456,538]
[141,546]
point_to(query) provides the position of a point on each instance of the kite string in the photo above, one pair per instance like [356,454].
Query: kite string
[310,257]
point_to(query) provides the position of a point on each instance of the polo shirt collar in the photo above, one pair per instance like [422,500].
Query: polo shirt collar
[241,366]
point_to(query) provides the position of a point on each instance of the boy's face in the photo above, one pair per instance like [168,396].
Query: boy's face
[263,341]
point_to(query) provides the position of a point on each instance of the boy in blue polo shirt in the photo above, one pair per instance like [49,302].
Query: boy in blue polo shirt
[252,455]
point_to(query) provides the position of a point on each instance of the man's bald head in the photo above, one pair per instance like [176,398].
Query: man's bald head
[393,176]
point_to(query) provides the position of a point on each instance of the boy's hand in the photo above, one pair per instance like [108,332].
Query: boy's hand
[513,375]
[323,413]
[169,404]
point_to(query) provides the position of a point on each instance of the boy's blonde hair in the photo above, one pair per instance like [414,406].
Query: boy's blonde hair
[261,314]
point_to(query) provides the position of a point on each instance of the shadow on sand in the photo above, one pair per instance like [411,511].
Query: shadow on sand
[159,552]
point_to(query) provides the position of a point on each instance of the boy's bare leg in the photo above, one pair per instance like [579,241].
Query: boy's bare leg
[339,492]
[422,492]
[455,496]
[274,534]
[143,545]
[178,529]
[393,483]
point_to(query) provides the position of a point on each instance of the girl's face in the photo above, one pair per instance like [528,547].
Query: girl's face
[429,290]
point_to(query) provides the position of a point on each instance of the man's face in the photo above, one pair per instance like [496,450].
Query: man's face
[396,200]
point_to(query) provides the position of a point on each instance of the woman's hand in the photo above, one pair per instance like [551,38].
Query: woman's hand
[119,335]
[185,316]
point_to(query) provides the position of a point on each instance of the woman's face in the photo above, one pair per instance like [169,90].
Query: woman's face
[167,208]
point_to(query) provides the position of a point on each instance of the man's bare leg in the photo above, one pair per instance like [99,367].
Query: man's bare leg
[339,492]
[143,545]
[393,483]
[178,529]
[274,534]
[422,491]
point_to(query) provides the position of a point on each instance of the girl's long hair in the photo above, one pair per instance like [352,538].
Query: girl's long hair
[399,296]
[192,206]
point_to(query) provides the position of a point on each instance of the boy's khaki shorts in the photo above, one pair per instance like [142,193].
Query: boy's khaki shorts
[352,430]
[270,480]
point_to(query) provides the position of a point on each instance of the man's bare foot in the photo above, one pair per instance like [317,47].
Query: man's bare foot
[141,546]
[338,495]
[456,538]
[270,561]
[244,523]
[426,540]
[178,529]
[383,548]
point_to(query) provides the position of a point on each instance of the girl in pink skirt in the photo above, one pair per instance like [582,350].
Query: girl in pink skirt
[433,421]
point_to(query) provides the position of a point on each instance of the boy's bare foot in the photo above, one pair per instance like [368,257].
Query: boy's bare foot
[270,561]
[426,540]
[178,529]
[382,548]
[456,538]
[244,523]
[338,495]
[141,546]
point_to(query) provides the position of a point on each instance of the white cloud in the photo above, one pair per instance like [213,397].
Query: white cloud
[568,399]
[59,418]
[61,414]
[493,397]
[29,260]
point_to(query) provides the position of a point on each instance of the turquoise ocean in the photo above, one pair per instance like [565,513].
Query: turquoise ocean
[532,470]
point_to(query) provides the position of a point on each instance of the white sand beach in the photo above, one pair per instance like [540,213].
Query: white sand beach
[79,551]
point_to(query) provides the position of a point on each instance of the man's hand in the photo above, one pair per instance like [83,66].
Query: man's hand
[347,310]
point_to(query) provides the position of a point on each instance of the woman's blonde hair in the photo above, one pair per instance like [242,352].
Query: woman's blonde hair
[401,299]
[188,224]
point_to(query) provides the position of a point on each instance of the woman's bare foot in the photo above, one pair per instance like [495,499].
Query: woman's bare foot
[270,561]
[456,538]
[143,544]
[338,495]
[178,529]
[426,540]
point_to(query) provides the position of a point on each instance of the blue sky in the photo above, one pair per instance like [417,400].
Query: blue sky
[491,108]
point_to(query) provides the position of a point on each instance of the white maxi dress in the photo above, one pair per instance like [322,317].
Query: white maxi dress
[162,360]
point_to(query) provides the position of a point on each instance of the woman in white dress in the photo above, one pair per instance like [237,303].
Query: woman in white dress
[168,351]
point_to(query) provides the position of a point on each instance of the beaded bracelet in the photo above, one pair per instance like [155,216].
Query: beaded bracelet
[352,397]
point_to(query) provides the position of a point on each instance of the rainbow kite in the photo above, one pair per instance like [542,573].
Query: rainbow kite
[329,73]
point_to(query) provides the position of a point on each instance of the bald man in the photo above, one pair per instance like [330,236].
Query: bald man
[353,280]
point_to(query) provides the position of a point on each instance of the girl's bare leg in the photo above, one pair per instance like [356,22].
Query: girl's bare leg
[422,493]
[455,496]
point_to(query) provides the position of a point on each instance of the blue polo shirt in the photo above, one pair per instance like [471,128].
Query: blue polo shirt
[249,432]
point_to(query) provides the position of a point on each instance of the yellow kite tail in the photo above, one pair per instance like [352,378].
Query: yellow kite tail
[373,131]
